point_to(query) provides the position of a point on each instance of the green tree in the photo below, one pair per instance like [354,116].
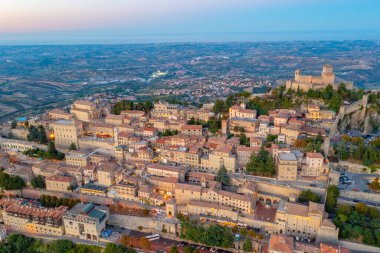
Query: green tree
[188,249]
[73,146]
[368,237]
[37,134]
[222,176]
[9,182]
[116,248]
[244,140]
[247,245]
[61,246]
[14,124]
[191,121]
[38,182]
[261,163]
[331,198]
[308,195]
[335,102]
[219,106]
[173,249]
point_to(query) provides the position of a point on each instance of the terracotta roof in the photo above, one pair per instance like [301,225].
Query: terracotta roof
[314,155]
[60,178]
[281,243]
[172,180]
[188,187]
[328,248]
[242,148]
[191,127]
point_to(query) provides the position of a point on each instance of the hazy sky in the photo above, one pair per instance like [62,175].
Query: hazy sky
[130,21]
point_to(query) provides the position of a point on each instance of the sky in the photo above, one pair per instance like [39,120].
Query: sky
[146,21]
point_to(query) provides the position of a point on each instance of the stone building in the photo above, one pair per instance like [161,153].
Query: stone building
[66,132]
[85,221]
[20,215]
[287,166]
[307,82]
[85,111]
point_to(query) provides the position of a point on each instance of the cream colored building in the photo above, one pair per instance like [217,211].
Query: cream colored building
[59,183]
[164,184]
[126,190]
[109,173]
[192,130]
[244,154]
[59,114]
[242,113]
[243,203]
[19,215]
[85,111]
[164,110]
[314,165]
[201,114]
[115,120]
[18,145]
[202,208]
[77,158]
[300,220]
[287,166]
[85,221]
[66,132]
[220,157]
[166,171]
[291,132]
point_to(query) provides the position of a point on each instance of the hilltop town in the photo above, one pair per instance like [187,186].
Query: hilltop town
[279,171]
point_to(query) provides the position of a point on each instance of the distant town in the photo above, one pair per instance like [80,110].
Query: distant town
[234,166]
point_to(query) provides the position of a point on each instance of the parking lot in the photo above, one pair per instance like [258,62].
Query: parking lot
[359,182]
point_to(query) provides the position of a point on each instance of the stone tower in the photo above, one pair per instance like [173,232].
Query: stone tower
[224,127]
[328,76]
[116,135]
[171,208]
[297,74]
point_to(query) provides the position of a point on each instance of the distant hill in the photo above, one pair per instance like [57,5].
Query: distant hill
[33,77]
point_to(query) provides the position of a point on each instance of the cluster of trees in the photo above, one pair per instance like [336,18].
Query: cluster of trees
[331,198]
[221,106]
[213,235]
[333,99]
[308,195]
[53,201]
[193,121]
[213,124]
[261,163]
[356,148]
[222,176]
[310,144]
[14,124]
[8,182]
[130,105]
[37,134]
[38,182]
[279,99]
[374,185]
[51,153]
[168,132]
[359,223]
[18,243]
